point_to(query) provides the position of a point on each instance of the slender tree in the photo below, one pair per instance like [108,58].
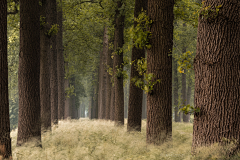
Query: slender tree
[136,95]
[159,100]
[52,7]
[217,76]
[67,111]
[29,126]
[118,64]
[60,64]
[45,72]
[103,76]
[5,140]
[175,92]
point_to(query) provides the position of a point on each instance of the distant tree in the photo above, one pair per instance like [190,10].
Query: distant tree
[159,100]
[144,106]
[136,95]
[45,71]
[60,64]
[29,126]
[108,83]
[217,75]
[5,140]
[118,64]
[103,76]
[177,117]
[52,7]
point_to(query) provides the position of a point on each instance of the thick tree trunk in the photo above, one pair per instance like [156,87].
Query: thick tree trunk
[217,76]
[45,73]
[135,93]
[60,65]
[175,92]
[5,140]
[52,7]
[118,61]
[29,125]
[159,100]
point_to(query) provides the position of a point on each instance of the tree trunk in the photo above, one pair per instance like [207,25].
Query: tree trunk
[175,92]
[73,101]
[144,106]
[67,111]
[29,125]
[108,85]
[60,64]
[5,140]
[189,90]
[135,93]
[186,118]
[217,76]
[112,109]
[118,61]
[52,7]
[45,73]
[159,100]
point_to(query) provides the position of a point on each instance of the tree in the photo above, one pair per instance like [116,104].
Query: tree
[217,76]
[29,126]
[45,71]
[103,76]
[177,117]
[118,64]
[52,7]
[60,64]
[159,63]
[136,95]
[5,140]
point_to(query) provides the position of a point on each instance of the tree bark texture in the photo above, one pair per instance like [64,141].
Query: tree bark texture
[175,92]
[60,64]
[217,76]
[29,126]
[5,140]
[45,72]
[118,61]
[135,93]
[52,7]
[159,100]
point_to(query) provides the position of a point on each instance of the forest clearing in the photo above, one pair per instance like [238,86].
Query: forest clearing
[86,139]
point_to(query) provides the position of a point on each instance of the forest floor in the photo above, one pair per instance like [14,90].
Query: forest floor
[86,139]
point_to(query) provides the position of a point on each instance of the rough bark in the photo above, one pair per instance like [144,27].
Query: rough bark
[52,7]
[60,64]
[217,76]
[159,100]
[175,92]
[45,73]
[135,93]
[5,140]
[29,126]
[118,61]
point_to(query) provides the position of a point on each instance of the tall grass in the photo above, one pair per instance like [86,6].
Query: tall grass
[86,139]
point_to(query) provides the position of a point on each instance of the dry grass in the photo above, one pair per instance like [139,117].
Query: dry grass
[86,139]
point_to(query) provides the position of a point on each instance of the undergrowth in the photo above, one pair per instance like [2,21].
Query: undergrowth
[86,139]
